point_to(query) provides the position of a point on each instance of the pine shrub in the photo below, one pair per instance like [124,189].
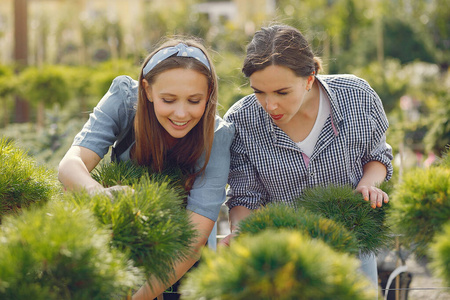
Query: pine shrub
[149,224]
[277,216]
[421,206]
[440,254]
[343,205]
[59,252]
[282,265]
[22,182]
[129,173]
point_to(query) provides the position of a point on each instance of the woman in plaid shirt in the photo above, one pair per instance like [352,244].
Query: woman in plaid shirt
[300,129]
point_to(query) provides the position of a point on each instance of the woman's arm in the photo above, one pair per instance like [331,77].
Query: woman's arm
[74,171]
[203,226]
[236,214]
[75,167]
[374,172]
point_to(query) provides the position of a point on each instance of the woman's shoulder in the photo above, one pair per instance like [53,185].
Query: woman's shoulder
[223,127]
[243,108]
[121,96]
[345,82]
[223,131]
[126,86]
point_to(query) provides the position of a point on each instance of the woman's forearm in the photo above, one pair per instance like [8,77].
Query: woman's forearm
[154,287]
[237,214]
[374,172]
[74,169]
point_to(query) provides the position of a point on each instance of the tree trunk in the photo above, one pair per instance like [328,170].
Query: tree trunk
[22,114]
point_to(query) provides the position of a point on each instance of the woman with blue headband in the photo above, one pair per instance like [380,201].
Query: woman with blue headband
[171,111]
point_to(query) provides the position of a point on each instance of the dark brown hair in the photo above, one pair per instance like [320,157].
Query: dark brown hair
[280,45]
[152,146]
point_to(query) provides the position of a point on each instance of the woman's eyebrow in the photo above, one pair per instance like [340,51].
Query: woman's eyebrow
[174,95]
[276,91]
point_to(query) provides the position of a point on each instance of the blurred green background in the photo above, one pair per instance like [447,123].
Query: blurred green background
[58,58]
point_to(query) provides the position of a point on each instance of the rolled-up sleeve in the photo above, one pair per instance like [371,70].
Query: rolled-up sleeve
[110,117]
[208,192]
[379,149]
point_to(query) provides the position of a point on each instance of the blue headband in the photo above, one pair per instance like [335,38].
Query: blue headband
[180,50]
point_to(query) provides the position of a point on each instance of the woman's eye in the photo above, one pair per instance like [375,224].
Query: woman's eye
[194,101]
[257,92]
[167,100]
[282,93]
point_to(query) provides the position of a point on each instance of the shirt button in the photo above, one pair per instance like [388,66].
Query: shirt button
[311,174]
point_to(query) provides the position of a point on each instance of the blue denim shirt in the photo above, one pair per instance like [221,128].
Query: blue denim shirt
[115,112]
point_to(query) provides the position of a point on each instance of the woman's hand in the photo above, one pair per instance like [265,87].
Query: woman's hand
[374,172]
[373,194]
[226,241]
[109,191]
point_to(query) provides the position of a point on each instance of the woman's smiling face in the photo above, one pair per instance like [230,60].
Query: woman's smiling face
[179,97]
[280,92]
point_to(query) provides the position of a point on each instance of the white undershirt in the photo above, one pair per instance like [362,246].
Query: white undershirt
[308,144]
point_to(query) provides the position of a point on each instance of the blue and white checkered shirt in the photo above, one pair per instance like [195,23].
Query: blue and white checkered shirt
[267,166]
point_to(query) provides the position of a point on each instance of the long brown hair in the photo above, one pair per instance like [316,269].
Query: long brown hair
[152,145]
[281,45]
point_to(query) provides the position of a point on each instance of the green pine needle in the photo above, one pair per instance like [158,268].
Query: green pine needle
[440,254]
[129,173]
[59,252]
[421,206]
[150,225]
[281,265]
[22,182]
[277,216]
[348,208]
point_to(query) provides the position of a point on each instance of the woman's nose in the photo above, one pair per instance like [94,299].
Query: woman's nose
[271,104]
[180,111]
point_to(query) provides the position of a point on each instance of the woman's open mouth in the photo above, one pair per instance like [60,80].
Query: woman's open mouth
[179,124]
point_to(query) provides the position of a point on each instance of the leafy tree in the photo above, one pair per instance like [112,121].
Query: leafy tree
[414,45]
[45,87]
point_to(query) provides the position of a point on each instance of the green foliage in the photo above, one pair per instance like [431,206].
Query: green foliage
[421,205]
[149,224]
[276,265]
[47,84]
[59,252]
[348,208]
[22,182]
[440,254]
[7,81]
[386,81]
[414,46]
[233,84]
[277,216]
[129,173]
[438,134]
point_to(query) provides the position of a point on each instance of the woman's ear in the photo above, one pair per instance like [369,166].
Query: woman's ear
[310,82]
[148,89]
